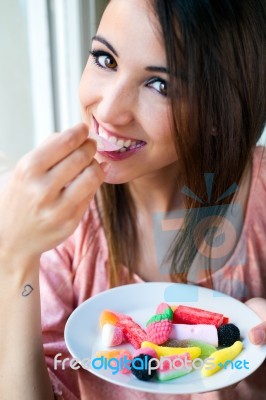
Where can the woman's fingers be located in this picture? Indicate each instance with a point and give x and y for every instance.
(48, 192)
(75, 198)
(85, 185)
(70, 168)
(54, 150)
(257, 335)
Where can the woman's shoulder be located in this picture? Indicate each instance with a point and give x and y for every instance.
(259, 160)
(256, 215)
(89, 235)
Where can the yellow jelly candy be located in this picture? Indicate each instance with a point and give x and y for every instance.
(108, 354)
(220, 357)
(108, 317)
(163, 351)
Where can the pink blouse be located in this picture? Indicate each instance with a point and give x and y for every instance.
(77, 270)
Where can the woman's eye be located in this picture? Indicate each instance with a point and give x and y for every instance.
(103, 60)
(159, 85)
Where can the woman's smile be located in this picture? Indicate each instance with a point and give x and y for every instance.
(128, 146)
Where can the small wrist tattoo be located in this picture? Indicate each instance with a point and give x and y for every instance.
(27, 290)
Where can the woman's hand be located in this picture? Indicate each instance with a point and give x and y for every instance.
(257, 335)
(47, 193)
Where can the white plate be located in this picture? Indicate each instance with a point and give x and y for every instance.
(83, 337)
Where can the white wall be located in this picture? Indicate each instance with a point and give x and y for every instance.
(28, 113)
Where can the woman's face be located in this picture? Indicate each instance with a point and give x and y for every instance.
(123, 91)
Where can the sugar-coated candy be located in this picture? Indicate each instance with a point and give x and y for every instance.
(192, 315)
(173, 367)
(165, 309)
(111, 317)
(112, 335)
(159, 326)
(228, 334)
(204, 332)
(108, 317)
(133, 333)
(161, 308)
(158, 332)
(163, 351)
(220, 357)
(140, 367)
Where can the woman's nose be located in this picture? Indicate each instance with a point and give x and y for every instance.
(116, 105)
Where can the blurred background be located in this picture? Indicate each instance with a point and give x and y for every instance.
(44, 47)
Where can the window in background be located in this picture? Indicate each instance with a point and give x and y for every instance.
(16, 119)
(44, 47)
(72, 23)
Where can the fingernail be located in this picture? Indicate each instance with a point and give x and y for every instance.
(105, 167)
(258, 336)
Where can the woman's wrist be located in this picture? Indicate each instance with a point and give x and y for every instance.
(18, 265)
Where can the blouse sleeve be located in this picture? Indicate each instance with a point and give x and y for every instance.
(57, 301)
(69, 274)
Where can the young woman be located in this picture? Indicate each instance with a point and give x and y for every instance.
(182, 83)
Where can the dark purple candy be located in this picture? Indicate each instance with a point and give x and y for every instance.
(228, 334)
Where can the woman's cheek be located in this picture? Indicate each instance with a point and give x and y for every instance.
(87, 87)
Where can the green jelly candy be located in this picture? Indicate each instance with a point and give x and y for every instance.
(206, 348)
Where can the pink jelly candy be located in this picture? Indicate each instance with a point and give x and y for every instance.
(112, 335)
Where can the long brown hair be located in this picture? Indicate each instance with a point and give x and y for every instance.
(216, 54)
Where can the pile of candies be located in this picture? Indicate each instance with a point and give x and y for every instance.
(178, 335)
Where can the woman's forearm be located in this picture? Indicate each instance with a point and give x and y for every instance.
(23, 372)
(41, 204)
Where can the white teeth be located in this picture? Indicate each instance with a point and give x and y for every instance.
(112, 139)
(127, 143)
(122, 150)
(120, 142)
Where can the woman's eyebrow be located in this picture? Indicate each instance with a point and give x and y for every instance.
(157, 69)
(100, 39)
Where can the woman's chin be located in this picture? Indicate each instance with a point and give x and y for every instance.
(112, 177)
